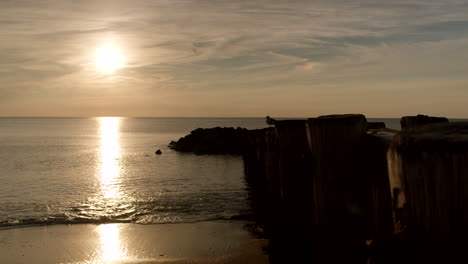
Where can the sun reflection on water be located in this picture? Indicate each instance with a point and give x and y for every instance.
(110, 155)
(110, 242)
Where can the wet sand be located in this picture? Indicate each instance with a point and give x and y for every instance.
(205, 242)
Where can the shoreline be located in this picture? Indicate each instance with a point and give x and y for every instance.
(202, 242)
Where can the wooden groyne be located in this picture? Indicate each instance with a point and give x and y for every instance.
(430, 173)
(360, 190)
(339, 189)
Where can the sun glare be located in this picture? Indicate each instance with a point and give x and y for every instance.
(110, 154)
(109, 58)
(111, 248)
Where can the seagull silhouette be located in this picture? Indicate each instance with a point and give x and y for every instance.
(270, 121)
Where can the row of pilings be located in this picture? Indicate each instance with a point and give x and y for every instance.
(329, 190)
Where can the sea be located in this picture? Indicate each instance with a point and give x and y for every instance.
(105, 170)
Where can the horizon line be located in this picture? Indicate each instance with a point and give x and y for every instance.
(228, 117)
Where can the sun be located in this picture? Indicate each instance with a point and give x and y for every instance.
(109, 58)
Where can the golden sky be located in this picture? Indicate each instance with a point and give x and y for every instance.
(233, 58)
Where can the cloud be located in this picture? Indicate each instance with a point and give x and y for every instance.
(177, 48)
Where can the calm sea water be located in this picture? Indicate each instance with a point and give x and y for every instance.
(100, 170)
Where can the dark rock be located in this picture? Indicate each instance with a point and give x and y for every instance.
(172, 144)
(226, 140)
(159, 152)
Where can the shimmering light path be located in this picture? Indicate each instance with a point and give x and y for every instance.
(104, 170)
(197, 243)
(111, 248)
(110, 168)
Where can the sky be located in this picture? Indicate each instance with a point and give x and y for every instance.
(233, 58)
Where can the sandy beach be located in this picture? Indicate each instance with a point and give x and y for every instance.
(204, 242)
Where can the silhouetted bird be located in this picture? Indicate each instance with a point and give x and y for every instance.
(270, 121)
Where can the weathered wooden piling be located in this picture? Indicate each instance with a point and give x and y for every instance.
(379, 219)
(295, 182)
(261, 171)
(293, 167)
(338, 181)
(326, 176)
(409, 122)
(335, 144)
(429, 167)
(341, 185)
(283, 178)
(375, 125)
(255, 159)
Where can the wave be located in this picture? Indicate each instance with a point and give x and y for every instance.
(67, 219)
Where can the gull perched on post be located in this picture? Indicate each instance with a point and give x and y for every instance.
(270, 121)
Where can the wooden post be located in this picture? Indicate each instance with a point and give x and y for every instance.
(380, 211)
(284, 184)
(261, 171)
(430, 168)
(258, 161)
(409, 122)
(293, 167)
(295, 185)
(339, 197)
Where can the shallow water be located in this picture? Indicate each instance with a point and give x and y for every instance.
(72, 170)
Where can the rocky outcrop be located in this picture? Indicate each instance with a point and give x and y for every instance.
(218, 140)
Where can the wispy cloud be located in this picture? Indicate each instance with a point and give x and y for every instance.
(301, 50)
